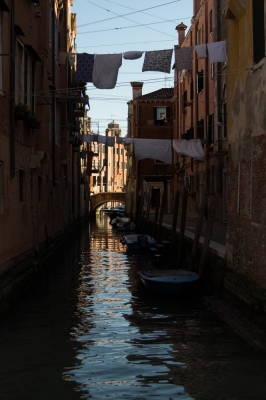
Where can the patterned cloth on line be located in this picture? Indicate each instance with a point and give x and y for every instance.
(85, 64)
(159, 60)
(183, 58)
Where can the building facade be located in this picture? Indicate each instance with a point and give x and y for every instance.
(43, 190)
(109, 162)
(150, 116)
(200, 110)
(246, 253)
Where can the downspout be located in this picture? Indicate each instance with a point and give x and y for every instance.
(53, 94)
(13, 88)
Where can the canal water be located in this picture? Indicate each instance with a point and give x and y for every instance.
(87, 329)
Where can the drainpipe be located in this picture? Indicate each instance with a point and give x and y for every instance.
(53, 94)
(12, 98)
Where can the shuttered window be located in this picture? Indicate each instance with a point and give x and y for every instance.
(200, 83)
(258, 30)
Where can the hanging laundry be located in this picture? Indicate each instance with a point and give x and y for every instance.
(110, 141)
(217, 51)
(132, 55)
(128, 141)
(102, 139)
(95, 138)
(71, 59)
(62, 57)
(119, 140)
(183, 58)
(156, 149)
(201, 50)
(159, 60)
(189, 148)
(84, 67)
(87, 138)
(105, 70)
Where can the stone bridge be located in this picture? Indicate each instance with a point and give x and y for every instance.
(98, 199)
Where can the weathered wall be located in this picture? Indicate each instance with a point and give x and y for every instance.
(246, 251)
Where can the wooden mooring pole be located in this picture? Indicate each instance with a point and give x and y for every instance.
(161, 217)
(175, 216)
(208, 235)
(182, 225)
(197, 233)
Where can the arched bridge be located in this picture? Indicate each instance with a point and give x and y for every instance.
(100, 198)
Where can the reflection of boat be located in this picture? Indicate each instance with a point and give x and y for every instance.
(126, 226)
(170, 281)
(138, 242)
(115, 211)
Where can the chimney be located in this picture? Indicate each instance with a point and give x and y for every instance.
(137, 89)
(181, 28)
(196, 7)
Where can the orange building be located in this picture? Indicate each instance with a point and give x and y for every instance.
(150, 116)
(200, 102)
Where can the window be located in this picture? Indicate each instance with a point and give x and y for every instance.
(184, 99)
(161, 115)
(258, 30)
(198, 36)
(19, 60)
(212, 70)
(21, 186)
(200, 81)
(210, 21)
(1, 187)
(200, 129)
(210, 128)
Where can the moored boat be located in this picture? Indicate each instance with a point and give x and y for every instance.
(170, 281)
(138, 242)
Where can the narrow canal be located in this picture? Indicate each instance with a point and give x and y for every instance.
(87, 329)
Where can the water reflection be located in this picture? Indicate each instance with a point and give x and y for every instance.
(88, 329)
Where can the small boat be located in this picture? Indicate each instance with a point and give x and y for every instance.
(119, 220)
(126, 226)
(138, 242)
(117, 211)
(170, 281)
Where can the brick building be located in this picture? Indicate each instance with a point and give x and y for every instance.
(42, 186)
(150, 116)
(200, 110)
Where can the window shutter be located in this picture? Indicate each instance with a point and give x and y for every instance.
(200, 82)
(258, 30)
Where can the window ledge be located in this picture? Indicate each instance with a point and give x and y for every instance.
(258, 65)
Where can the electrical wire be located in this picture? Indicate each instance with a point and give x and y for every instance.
(133, 26)
(131, 20)
(135, 12)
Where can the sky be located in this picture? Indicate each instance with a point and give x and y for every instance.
(111, 27)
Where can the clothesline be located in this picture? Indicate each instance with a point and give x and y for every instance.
(157, 149)
(102, 69)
